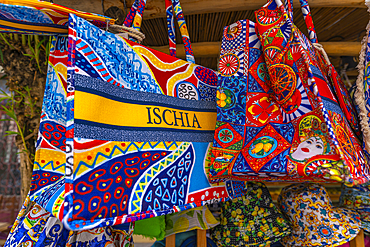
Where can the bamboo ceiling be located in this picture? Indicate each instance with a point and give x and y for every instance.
(332, 24)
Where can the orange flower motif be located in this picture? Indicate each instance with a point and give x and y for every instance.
(262, 109)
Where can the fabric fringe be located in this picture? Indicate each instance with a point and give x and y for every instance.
(359, 94)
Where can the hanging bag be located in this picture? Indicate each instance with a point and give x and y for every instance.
(127, 134)
(41, 17)
(295, 129)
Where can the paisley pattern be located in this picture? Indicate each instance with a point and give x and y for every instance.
(315, 221)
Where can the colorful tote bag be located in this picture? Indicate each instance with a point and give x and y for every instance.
(40, 17)
(89, 172)
(294, 127)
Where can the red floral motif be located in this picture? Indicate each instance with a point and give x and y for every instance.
(262, 108)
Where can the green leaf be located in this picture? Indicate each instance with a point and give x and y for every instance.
(5, 119)
(39, 44)
(5, 97)
(201, 222)
(8, 133)
(6, 41)
(1, 56)
(29, 44)
(29, 55)
(21, 93)
(9, 112)
(190, 213)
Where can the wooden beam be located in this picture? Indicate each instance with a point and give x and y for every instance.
(342, 48)
(156, 9)
(358, 241)
(201, 238)
(171, 240)
(212, 49)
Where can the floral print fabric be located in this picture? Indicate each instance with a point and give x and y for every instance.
(251, 220)
(315, 221)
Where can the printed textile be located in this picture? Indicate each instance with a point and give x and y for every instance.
(277, 117)
(36, 227)
(92, 167)
(252, 220)
(315, 221)
(41, 17)
(191, 219)
(357, 198)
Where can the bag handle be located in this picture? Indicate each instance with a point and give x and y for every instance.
(306, 15)
(134, 18)
(183, 30)
(130, 17)
(171, 27)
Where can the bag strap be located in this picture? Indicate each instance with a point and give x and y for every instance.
(289, 8)
(183, 30)
(173, 8)
(306, 15)
(139, 15)
(171, 27)
(135, 16)
(130, 17)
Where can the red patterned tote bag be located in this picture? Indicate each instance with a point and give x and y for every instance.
(301, 132)
(104, 173)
